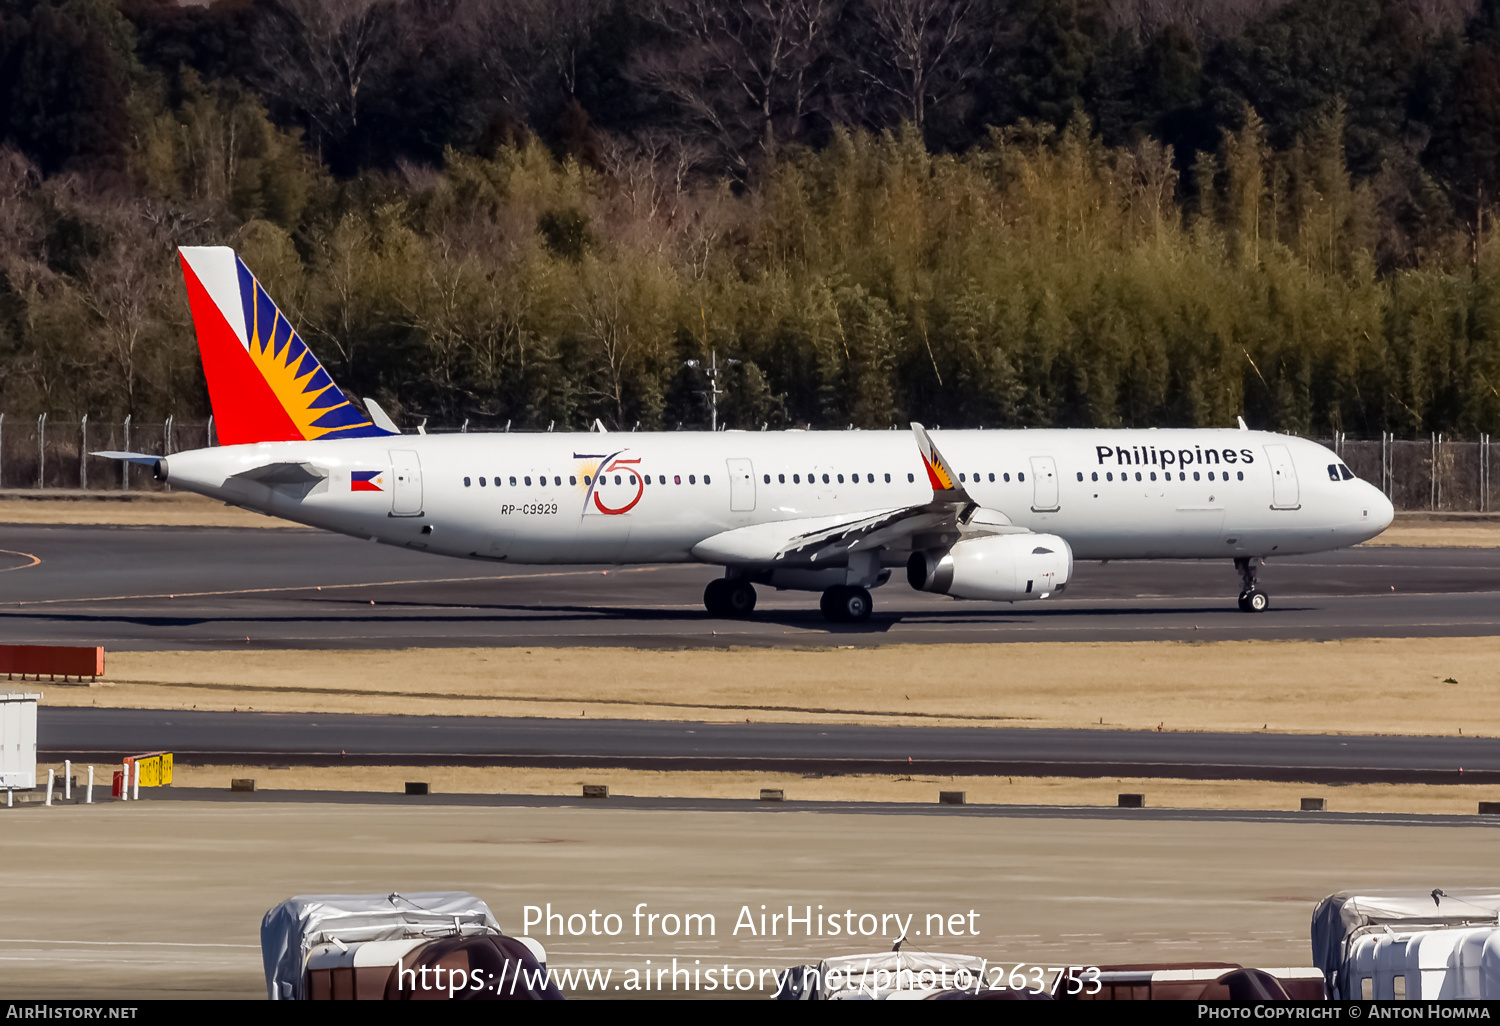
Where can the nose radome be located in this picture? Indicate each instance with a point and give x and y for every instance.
(1381, 510)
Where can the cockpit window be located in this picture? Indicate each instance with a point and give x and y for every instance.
(1333, 472)
(1348, 474)
(1041, 551)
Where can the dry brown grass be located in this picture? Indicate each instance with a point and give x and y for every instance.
(132, 509)
(1428, 534)
(1397, 686)
(1052, 791)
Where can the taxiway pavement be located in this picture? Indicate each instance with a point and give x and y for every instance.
(218, 738)
(210, 588)
(164, 898)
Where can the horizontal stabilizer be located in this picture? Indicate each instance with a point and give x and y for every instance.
(286, 473)
(145, 459)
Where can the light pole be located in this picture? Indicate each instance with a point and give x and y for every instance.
(712, 391)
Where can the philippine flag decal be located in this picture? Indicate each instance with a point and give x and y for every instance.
(366, 481)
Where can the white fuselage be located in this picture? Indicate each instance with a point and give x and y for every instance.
(1187, 494)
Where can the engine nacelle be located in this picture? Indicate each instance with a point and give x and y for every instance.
(997, 567)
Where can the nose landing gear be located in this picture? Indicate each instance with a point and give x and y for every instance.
(1252, 599)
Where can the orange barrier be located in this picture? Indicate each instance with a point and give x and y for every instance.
(54, 660)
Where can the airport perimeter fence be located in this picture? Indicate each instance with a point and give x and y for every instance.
(1437, 474)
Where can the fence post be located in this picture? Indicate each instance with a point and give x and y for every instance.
(208, 436)
(1432, 476)
(41, 452)
(83, 453)
(125, 464)
(2, 449)
(166, 437)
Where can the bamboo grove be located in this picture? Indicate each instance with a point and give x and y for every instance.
(1041, 275)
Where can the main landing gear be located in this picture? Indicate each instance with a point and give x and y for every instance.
(724, 597)
(1252, 599)
(845, 603)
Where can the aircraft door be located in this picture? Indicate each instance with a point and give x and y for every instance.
(741, 486)
(406, 491)
(1044, 476)
(1284, 491)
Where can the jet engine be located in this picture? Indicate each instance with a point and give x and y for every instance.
(997, 567)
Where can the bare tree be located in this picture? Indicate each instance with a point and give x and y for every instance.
(743, 71)
(124, 288)
(319, 54)
(926, 49)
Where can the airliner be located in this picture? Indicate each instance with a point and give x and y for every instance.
(993, 515)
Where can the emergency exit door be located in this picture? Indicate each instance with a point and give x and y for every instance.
(1044, 488)
(406, 485)
(741, 486)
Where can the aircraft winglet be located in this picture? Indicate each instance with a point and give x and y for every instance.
(945, 486)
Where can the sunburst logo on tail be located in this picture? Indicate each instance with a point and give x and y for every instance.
(265, 384)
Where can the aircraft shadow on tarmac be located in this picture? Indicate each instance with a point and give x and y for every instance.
(498, 614)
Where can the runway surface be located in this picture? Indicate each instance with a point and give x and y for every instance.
(175, 588)
(329, 739)
(164, 898)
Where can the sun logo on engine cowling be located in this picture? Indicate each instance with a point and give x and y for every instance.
(594, 476)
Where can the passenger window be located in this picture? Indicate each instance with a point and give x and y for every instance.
(781, 479)
(661, 478)
(1333, 471)
(617, 479)
(1137, 475)
(677, 478)
(1020, 477)
(1239, 474)
(481, 482)
(528, 482)
(1080, 475)
(1109, 475)
(887, 479)
(1094, 476)
(572, 479)
(767, 478)
(962, 478)
(513, 482)
(557, 481)
(1195, 475)
(869, 479)
(911, 478)
(796, 479)
(1153, 475)
(706, 479)
(1367, 988)
(692, 479)
(1210, 475)
(1181, 476)
(992, 478)
(825, 479)
(841, 479)
(1399, 983)
(466, 482)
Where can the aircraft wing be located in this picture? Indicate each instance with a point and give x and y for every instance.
(829, 540)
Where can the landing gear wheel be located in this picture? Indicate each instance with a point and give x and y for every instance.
(739, 598)
(716, 598)
(845, 604)
(1252, 599)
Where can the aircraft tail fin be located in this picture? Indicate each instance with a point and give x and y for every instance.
(264, 383)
